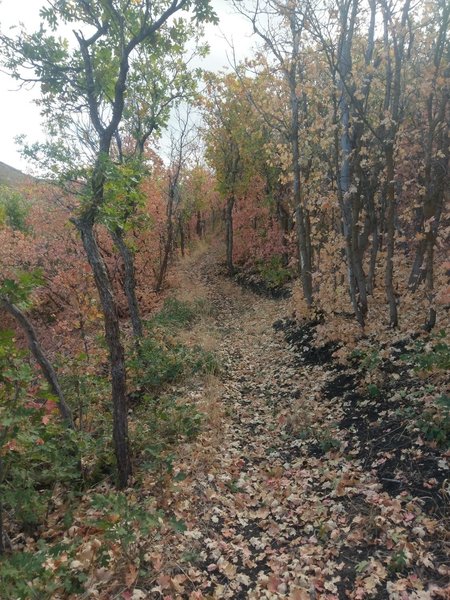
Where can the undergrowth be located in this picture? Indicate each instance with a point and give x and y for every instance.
(46, 469)
(273, 272)
(161, 359)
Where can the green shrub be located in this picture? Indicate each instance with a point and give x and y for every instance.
(273, 272)
(434, 423)
(398, 562)
(48, 573)
(37, 452)
(160, 362)
(367, 360)
(373, 390)
(122, 519)
(14, 209)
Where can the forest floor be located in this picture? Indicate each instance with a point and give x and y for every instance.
(302, 484)
(292, 467)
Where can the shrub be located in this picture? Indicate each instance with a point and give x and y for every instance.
(160, 362)
(273, 272)
(37, 451)
(13, 209)
(434, 423)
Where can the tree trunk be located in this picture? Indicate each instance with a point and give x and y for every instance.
(347, 201)
(283, 219)
(302, 237)
(36, 349)
(229, 234)
(417, 274)
(129, 282)
(117, 360)
(182, 236)
(168, 243)
(429, 284)
(390, 236)
(2, 535)
(199, 225)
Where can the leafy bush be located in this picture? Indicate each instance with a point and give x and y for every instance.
(161, 359)
(37, 451)
(434, 423)
(160, 362)
(13, 209)
(57, 570)
(165, 421)
(367, 360)
(373, 390)
(273, 272)
(122, 519)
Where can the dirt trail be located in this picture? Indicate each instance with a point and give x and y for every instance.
(281, 509)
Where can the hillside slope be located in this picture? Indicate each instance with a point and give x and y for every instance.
(12, 177)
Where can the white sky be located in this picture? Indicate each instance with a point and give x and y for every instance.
(18, 114)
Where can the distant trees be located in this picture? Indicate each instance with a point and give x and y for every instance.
(281, 27)
(353, 99)
(235, 139)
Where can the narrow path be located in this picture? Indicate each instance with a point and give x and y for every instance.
(257, 498)
(279, 508)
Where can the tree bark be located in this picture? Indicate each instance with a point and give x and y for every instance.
(429, 284)
(182, 236)
(347, 200)
(168, 245)
(129, 281)
(116, 352)
(390, 236)
(392, 104)
(303, 240)
(229, 234)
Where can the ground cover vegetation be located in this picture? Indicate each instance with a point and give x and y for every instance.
(224, 366)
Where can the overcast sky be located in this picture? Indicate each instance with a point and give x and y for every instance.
(18, 114)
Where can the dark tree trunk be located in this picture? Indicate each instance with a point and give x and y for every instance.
(36, 349)
(429, 284)
(2, 535)
(165, 258)
(168, 245)
(117, 360)
(182, 236)
(390, 236)
(229, 234)
(300, 218)
(199, 225)
(373, 260)
(129, 282)
(347, 200)
(392, 104)
(283, 219)
(417, 274)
